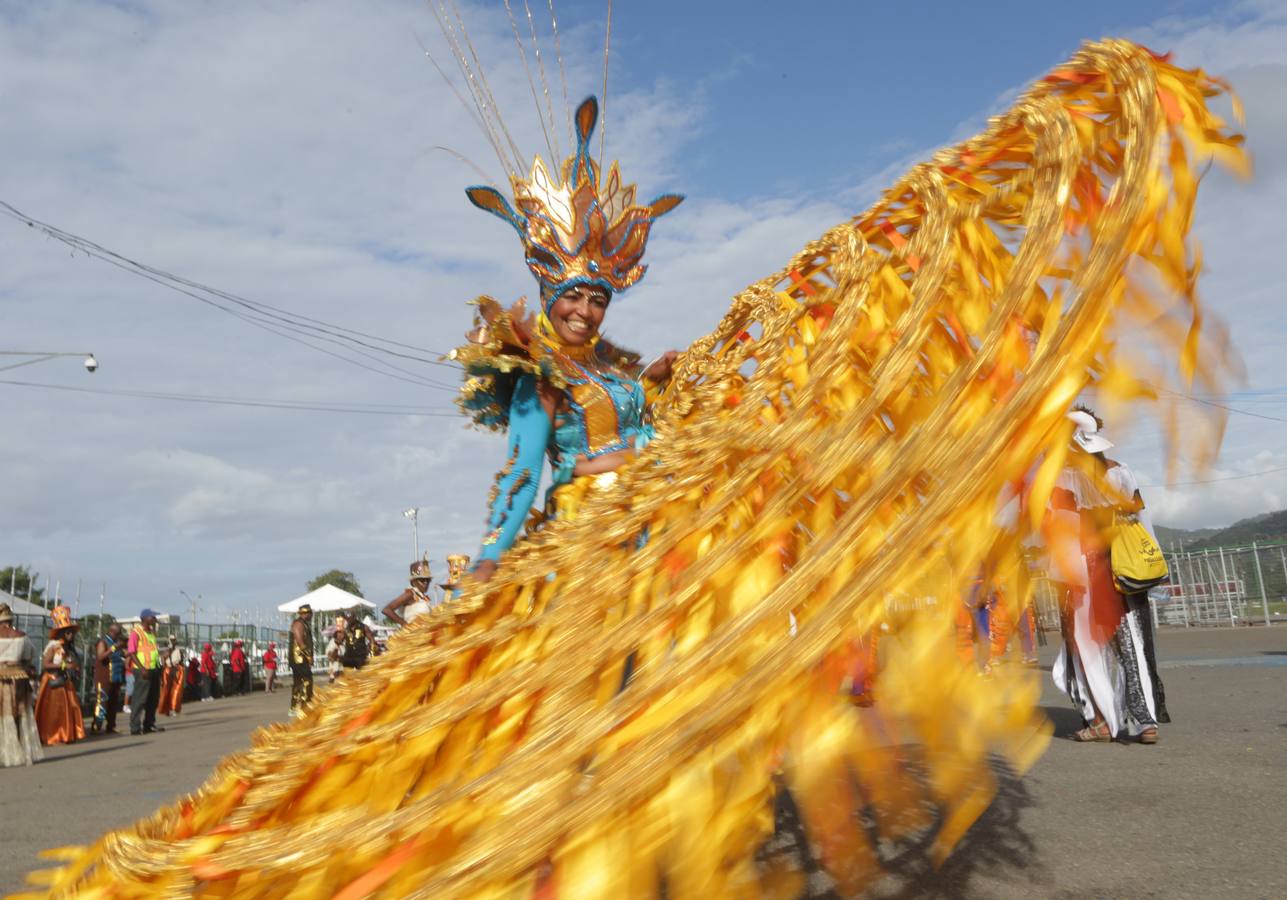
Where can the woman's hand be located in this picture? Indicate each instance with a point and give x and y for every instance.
(660, 368)
(484, 570)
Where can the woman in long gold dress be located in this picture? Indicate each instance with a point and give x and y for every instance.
(58, 714)
(837, 443)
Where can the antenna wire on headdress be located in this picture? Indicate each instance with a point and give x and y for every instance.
(487, 88)
(484, 119)
(563, 72)
(473, 114)
(476, 78)
(545, 85)
(522, 52)
(603, 104)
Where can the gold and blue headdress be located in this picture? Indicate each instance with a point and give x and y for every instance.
(578, 229)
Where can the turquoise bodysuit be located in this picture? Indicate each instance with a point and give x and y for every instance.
(604, 414)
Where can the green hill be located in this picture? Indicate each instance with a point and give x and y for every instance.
(1266, 527)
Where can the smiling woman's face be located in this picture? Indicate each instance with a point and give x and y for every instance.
(578, 313)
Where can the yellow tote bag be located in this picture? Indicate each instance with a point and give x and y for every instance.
(1137, 560)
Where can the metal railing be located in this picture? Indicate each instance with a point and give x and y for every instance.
(1225, 586)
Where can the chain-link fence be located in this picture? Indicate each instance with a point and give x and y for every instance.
(191, 638)
(1217, 586)
(1225, 586)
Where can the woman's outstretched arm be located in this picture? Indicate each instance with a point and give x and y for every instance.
(517, 483)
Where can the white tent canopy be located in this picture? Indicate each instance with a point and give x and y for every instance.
(21, 607)
(327, 598)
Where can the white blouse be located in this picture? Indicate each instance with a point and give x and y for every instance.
(15, 651)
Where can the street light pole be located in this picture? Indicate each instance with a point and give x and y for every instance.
(414, 515)
(195, 630)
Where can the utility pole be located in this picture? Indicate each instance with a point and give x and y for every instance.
(1264, 599)
(77, 598)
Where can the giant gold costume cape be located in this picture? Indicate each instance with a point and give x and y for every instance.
(832, 452)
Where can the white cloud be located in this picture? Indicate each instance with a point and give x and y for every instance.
(1240, 227)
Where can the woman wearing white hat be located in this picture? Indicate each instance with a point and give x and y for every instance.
(1102, 664)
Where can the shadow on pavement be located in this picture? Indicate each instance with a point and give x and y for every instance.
(996, 846)
(1066, 720)
(91, 751)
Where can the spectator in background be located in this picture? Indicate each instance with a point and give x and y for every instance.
(109, 679)
(208, 672)
(270, 667)
(58, 716)
(357, 643)
(19, 739)
(129, 682)
(147, 675)
(301, 661)
(193, 677)
(334, 648)
(240, 670)
(172, 684)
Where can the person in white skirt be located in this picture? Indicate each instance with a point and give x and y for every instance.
(19, 742)
(1102, 665)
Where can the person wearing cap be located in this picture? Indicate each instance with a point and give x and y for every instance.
(109, 678)
(58, 716)
(300, 653)
(19, 737)
(416, 600)
(1102, 665)
(270, 667)
(209, 671)
(147, 675)
(240, 670)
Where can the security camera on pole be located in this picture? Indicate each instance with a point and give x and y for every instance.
(90, 363)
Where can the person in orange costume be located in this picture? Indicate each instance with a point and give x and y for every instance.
(58, 716)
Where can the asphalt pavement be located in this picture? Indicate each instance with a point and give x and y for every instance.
(1201, 814)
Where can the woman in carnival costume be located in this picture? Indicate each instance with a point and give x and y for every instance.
(1103, 664)
(549, 377)
(416, 600)
(58, 715)
(843, 432)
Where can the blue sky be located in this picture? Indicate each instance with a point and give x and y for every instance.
(284, 151)
(905, 75)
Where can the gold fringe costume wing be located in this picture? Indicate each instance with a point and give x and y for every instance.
(833, 451)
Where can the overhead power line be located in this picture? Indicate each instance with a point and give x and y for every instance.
(1233, 409)
(274, 319)
(1214, 480)
(367, 409)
